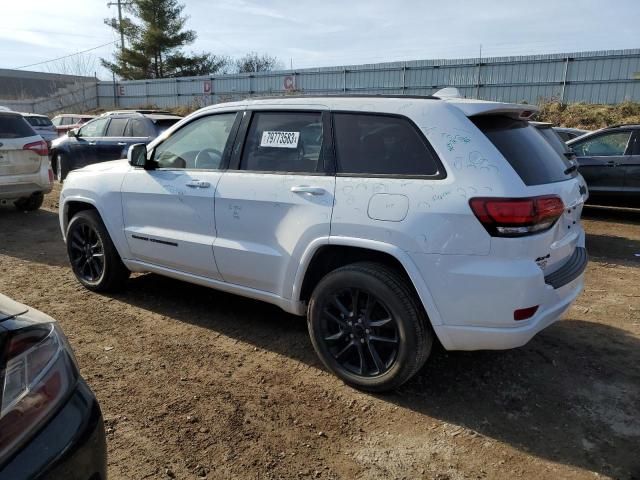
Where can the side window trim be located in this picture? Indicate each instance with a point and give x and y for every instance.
(439, 175)
(326, 154)
(226, 154)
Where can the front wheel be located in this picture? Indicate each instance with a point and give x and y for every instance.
(93, 257)
(368, 327)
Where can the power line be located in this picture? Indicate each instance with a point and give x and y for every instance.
(66, 56)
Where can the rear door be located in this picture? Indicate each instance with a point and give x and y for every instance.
(276, 198)
(632, 167)
(602, 158)
(15, 133)
(115, 143)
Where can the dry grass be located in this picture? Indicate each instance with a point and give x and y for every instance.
(589, 116)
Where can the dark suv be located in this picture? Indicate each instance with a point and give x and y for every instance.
(106, 138)
(609, 161)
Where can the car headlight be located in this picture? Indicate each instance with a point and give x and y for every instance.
(37, 372)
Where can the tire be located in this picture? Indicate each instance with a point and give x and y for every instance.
(62, 167)
(29, 204)
(342, 345)
(93, 257)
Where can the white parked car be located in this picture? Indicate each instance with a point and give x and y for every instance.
(389, 222)
(25, 169)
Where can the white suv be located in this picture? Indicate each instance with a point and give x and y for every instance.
(25, 169)
(388, 221)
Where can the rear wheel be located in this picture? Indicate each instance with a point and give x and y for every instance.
(368, 328)
(62, 167)
(93, 257)
(29, 204)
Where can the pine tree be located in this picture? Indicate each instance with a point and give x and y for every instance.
(155, 40)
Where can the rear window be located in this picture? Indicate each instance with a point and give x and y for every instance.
(39, 121)
(381, 145)
(14, 126)
(526, 149)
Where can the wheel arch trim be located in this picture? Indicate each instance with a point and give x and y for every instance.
(400, 255)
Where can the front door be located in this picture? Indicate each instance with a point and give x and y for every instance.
(601, 159)
(275, 199)
(85, 148)
(169, 212)
(632, 169)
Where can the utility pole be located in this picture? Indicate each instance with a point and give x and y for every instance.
(120, 3)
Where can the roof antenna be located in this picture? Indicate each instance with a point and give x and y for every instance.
(448, 92)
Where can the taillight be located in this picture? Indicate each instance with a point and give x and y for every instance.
(37, 372)
(40, 147)
(516, 217)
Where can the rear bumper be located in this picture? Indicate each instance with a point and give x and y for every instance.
(71, 446)
(495, 338)
(18, 186)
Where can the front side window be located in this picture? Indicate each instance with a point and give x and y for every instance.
(116, 127)
(607, 145)
(283, 142)
(381, 145)
(198, 145)
(94, 129)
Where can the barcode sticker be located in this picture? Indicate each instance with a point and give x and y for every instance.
(280, 139)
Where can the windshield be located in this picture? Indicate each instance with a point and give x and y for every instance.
(535, 158)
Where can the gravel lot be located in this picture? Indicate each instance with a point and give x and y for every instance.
(196, 383)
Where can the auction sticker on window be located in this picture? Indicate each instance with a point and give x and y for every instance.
(280, 139)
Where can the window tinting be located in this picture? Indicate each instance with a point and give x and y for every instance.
(39, 121)
(199, 144)
(14, 126)
(606, 145)
(116, 127)
(162, 125)
(378, 144)
(137, 127)
(533, 158)
(94, 128)
(283, 142)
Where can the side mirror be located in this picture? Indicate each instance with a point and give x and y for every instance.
(73, 133)
(137, 155)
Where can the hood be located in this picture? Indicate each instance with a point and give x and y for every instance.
(10, 308)
(106, 166)
(14, 315)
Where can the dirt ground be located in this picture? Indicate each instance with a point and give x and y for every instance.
(196, 383)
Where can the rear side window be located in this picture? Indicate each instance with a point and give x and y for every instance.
(533, 158)
(68, 121)
(382, 145)
(606, 145)
(162, 125)
(14, 126)
(116, 127)
(283, 142)
(136, 128)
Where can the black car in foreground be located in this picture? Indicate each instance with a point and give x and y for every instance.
(50, 422)
(107, 137)
(609, 161)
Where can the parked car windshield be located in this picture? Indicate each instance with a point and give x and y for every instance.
(533, 158)
(39, 121)
(14, 126)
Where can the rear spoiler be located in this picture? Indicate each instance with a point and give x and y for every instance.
(472, 108)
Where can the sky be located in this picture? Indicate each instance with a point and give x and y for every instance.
(306, 33)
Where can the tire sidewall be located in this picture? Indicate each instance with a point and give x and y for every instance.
(341, 280)
(86, 218)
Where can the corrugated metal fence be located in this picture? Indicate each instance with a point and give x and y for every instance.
(592, 77)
